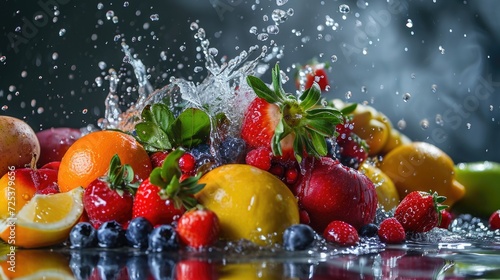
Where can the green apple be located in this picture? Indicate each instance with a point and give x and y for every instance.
(18, 144)
(482, 188)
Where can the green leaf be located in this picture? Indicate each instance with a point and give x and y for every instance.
(310, 97)
(278, 86)
(323, 127)
(162, 115)
(147, 115)
(170, 167)
(319, 143)
(349, 109)
(262, 90)
(156, 179)
(191, 128)
(150, 134)
(298, 147)
(173, 186)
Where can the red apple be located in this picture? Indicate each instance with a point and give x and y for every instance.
(54, 142)
(329, 191)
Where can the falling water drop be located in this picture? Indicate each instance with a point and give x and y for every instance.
(3, 58)
(281, 2)
(469, 125)
(5, 107)
(424, 124)
(364, 89)
(126, 4)
(434, 88)
(439, 120)
(100, 6)
(263, 37)
(333, 58)
(279, 16)
(401, 124)
(348, 94)
(110, 14)
(344, 8)
(62, 31)
(102, 65)
(406, 97)
(273, 29)
(154, 17)
(194, 26)
(409, 23)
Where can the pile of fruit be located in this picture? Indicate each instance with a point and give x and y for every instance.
(298, 168)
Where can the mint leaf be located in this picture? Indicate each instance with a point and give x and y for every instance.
(152, 136)
(191, 128)
(162, 115)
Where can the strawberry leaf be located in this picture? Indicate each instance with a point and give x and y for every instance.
(120, 177)
(278, 87)
(310, 97)
(349, 109)
(261, 89)
(152, 137)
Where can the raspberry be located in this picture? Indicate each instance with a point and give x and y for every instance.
(391, 231)
(260, 158)
(291, 175)
(495, 220)
(341, 233)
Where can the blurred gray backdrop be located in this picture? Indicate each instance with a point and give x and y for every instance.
(431, 66)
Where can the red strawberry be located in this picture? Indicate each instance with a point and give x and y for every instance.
(167, 193)
(446, 219)
(195, 269)
(420, 211)
(198, 228)
(260, 158)
(341, 233)
(149, 204)
(110, 197)
(291, 125)
(259, 124)
(311, 73)
(494, 220)
(391, 231)
(330, 191)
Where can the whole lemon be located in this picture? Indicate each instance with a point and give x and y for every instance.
(251, 203)
(420, 166)
(387, 194)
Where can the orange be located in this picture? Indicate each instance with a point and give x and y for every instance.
(36, 264)
(420, 166)
(45, 220)
(250, 203)
(89, 157)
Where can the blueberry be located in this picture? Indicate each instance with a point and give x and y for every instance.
(137, 232)
(368, 230)
(82, 235)
(111, 235)
(298, 237)
(163, 238)
(202, 155)
(232, 150)
(352, 162)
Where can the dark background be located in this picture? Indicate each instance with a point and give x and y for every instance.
(431, 67)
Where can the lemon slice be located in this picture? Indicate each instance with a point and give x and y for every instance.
(45, 220)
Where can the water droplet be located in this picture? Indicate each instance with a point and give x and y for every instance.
(115, 19)
(55, 56)
(290, 12)
(117, 37)
(24, 74)
(102, 65)
(281, 2)
(100, 6)
(406, 97)
(154, 17)
(5, 107)
(401, 124)
(263, 37)
(110, 14)
(273, 29)
(439, 120)
(213, 51)
(194, 26)
(469, 125)
(333, 58)
(84, 111)
(253, 30)
(424, 124)
(491, 107)
(441, 49)
(126, 4)
(413, 75)
(279, 16)
(364, 89)
(98, 81)
(409, 23)
(62, 31)
(434, 88)
(344, 8)
(198, 69)
(348, 94)
(182, 48)
(3, 58)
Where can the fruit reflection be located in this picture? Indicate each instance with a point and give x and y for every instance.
(36, 264)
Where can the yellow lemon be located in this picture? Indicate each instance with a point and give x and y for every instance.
(387, 193)
(420, 166)
(250, 271)
(35, 264)
(45, 220)
(251, 203)
(396, 138)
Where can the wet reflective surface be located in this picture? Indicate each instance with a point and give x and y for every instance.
(407, 261)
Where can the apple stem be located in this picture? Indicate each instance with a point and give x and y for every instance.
(33, 161)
